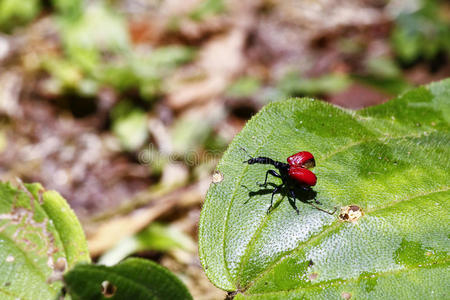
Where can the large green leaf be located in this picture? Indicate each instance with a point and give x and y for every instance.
(391, 160)
(134, 278)
(40, 239)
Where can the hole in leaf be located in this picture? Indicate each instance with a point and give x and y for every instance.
(350, 213)
(217, 177)
(108, 289)
(60, 265)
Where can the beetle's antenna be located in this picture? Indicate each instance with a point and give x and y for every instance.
(325, 211)
(246, 152)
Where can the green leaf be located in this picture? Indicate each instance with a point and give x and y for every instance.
(244, 87)
(422, 33)
(98, 29)
(69, 8)
(134, 278)
(189, 133)
(129, 124)
(390, 160)
(160, 61)
(40, 238)
(14, 13)
(157, 236)
(294, 85)
(207, 8)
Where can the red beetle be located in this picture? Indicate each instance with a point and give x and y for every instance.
(293, 174)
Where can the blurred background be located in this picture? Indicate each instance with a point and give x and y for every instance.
(126, 106)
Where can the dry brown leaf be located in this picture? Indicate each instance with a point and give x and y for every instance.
(219, 61)
(109, 233)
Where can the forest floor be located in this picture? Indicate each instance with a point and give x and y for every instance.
(125, 107)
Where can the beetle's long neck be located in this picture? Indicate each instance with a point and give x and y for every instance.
(267, 161)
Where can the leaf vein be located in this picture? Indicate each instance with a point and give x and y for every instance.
(354, 279)
(233, 196)
(328, 230)
(356, 143)
(393, 203)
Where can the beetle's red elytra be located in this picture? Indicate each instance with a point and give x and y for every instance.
(302, 159)
(303, 176)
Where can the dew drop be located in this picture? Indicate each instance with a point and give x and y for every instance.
(108, 289)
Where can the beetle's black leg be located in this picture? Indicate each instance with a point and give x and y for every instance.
(308, 189)
(330, 213)
(313, 205)
(271, 172)
(292, 201)
(275, 190)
